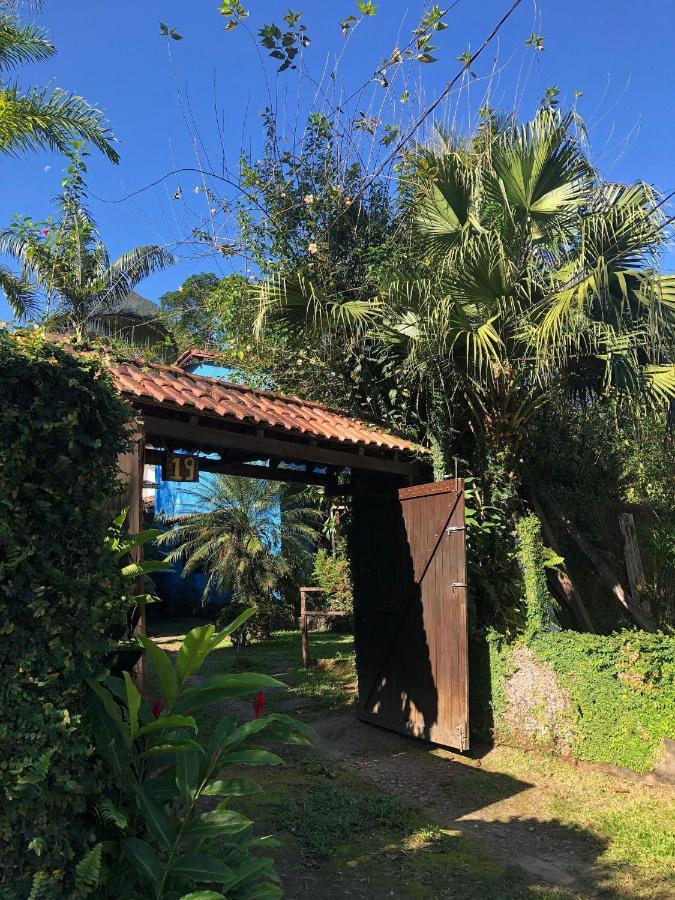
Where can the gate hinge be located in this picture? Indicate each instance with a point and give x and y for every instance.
(458, 584)
(451, 528)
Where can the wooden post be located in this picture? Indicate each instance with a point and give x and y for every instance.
(634, 567)
(135, 521)
(304, 630)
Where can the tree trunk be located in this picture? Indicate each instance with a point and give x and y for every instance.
(604, 573)
(565, 586)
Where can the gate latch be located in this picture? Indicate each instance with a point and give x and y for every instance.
(452, 528)
(461, 731)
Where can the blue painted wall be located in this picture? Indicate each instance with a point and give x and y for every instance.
(172, 499)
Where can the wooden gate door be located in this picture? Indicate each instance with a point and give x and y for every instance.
(409, 569)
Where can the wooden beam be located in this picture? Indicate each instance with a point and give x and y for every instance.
(271, 473)
(220, 438)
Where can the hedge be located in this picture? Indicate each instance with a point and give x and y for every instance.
(620, 687)
(61, 430)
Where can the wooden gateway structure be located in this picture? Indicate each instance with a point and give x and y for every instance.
(407, 537)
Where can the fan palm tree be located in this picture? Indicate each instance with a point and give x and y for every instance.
(41, 118)
(74, 282)
(525, 271)
(250, 536)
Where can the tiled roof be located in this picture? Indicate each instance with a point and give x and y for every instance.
(170, 386)
(194, 354)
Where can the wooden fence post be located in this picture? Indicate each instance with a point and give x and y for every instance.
(304, 630)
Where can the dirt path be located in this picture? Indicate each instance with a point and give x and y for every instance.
(522, 810)
(498, 810)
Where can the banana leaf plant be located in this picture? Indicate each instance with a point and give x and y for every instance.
(169, 831)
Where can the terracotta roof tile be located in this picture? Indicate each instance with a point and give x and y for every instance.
(170, 385)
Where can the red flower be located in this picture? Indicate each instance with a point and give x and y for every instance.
(45, 231)
(259, 704)
(156, 708)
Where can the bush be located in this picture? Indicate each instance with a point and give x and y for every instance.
(332, 575)
(61, 430)
(159, 838)
(622, 690)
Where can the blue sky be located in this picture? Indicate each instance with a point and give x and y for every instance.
(617, 52)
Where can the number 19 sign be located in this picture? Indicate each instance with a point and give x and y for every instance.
(178, 467)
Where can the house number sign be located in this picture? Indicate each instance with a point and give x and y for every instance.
(178, 467)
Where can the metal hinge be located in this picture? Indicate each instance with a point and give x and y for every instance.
(452, 528)
(458, 584)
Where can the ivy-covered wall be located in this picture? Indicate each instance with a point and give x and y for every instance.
(606, 699)
(61, 429)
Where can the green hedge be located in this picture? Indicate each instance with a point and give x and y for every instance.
(61, 429)
(621, 687)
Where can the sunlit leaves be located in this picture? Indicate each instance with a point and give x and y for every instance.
(235, 12)
(367, 8)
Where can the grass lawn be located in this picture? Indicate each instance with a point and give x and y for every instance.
(367, 813)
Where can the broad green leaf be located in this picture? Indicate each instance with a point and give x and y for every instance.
(249, 680)
(264, 891)
(187, 775)
(231, 787)
(250, 869)
(252, 757)
(215, 822)
(195, 648)
(109, 709)
(179, 746)
(144, 859)
(220, 733)
(220, 636)
(133, 702)
(203, 895)
(163, 667)
(167, 722)
(201, 867)
(158, 822)
(146, 567)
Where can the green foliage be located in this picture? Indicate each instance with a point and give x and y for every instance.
(533, 561)
(622, 689)
(332, 575)
(189, 313)
(61, 430)
(163, 838)
(40, 118)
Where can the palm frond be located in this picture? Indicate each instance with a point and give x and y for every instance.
(20, 293)
(128, 270)
(443, 212)
(20, 44)
(41, 119)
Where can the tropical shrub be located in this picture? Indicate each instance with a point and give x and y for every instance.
(163, 837)
(61, 430)
(333, 576)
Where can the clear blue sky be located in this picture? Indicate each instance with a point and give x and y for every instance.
(618, 52)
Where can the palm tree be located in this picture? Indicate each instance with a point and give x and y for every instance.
(251, 535)
(75, 284)
(40, 118)
(525, 271)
